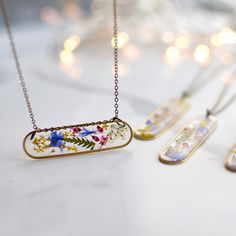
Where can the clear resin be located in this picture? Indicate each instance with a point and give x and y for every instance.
(188, 140)
(161, 119)
(77, 140)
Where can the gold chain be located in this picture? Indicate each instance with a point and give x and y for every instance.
(22, 79)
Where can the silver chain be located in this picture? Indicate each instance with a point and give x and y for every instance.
(20, 73)
(218, 107)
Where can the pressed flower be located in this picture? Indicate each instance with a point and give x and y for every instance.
(103, 140)
(95, 138)
(86, 132)
(99, 129)
(56, 139)
(76, 129)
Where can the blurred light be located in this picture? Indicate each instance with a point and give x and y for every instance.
(182, 42)
(71, 9)
(49, 15)
(201, 54)
(131, 51)
(227, 36)
(123, 38)
(216, 40)
(172, 55)
(71, 43)
(66, 57)
(168, 37)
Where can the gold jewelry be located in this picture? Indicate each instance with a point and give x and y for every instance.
(73, 139)
(230, 161)
(192, 135)
(167, 114)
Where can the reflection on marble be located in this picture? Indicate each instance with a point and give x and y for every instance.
(230, 161)
(188, 140)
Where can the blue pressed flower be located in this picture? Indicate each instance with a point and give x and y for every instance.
(56, 139)
(149, 122)
(86, 132)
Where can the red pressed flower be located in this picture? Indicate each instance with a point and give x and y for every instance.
(76, 130)
(100, 129)
(95, 138)
(103, 140)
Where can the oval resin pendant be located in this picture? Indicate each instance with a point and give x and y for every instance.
(77, 140)
(230, 161)
(188, 140)
(161, 119)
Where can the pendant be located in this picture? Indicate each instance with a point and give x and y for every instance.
(188, 140)
(79, 139)
(161, 119)
(230, 161)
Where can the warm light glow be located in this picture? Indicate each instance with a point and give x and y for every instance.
(66, 57)
(172, 55)
(182, 42)
(123, 38)
(131, 51)
(168, 37)
(216, 40)
(49, 15)
(201, 54)
(227, 36)
(71, 43)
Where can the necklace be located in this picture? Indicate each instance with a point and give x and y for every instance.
(73, 139)
(192, 135)
(230, 161)
(167, 114)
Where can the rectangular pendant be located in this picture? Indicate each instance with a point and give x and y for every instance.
(188, 140)
(230, 161)
(161, 119)
(80, 139)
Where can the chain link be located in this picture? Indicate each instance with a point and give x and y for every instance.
(16, 58)
(218, 107)
(21, 77)
(116, 65)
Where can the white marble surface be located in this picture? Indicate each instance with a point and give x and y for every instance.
(122, 193)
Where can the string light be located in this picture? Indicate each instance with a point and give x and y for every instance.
(72, 43)
(123, 39)
(172, 55)
(182, 41)
(168, 37)
(66, 57)
(201, 54)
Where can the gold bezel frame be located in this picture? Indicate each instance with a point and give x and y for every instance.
(78, 153)
(164, 161)
(172, 123)
(228, 167)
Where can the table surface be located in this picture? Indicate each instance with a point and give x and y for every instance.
(126, 192)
